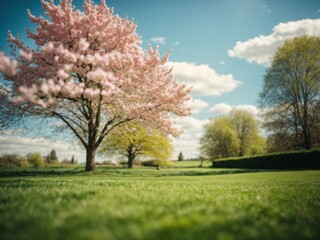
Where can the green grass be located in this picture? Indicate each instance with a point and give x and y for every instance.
(145, 203)
(190, 163)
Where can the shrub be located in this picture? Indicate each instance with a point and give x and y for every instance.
(35, 159)
(288, 160)
(11, 160)
(106, 162)
(156, 163)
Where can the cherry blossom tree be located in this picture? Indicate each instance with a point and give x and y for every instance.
(89, 71)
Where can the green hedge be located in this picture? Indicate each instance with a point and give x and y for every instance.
(289, 160)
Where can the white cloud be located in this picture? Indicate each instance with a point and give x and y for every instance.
(23, 145)
(223, 109)
(158, 40)
(260, 49)
(250, 108)
(176, 43)
(222, 62)
(197, 105)
(266, 9)
(188, 142)
(204, 80)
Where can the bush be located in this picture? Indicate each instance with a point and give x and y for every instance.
(10, 160)
(156, 163)
(35, 159)
(289, 160)
(106, 162)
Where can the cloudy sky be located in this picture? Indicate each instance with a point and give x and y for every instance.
(220, 47)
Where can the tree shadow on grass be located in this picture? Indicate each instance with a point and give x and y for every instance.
(216, 172)
(38, 172)
(122, 172)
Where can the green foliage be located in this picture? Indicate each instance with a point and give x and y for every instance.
(35, 159)
(134, 140)
(147, 204)
(180, 157)
(53, 156)
(291, 94)
(288, 160)
(157, 163)
(234, 135)
(191, 163)
(246, 127)
(220, 139)
(12, 160)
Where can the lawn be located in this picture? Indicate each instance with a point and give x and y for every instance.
(145, 203)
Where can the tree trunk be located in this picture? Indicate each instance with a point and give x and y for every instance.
(90, 159)
(307, 139)
(130, 162)
(131, 156)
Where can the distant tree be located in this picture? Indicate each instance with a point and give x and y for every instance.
(202, 159)
(220, 139)
(291, 95)
(48, 159)
(134, 140)
(180, 157)
(72, 160)
(53, 156)
(66, 161)
(247, 129)
(35, 159)
(234, 135)
(11, 160)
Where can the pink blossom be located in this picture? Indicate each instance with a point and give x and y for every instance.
(89, 69)
(7, 65)
(62, 74)
(26, 55)
(83, 44)
(100, 75)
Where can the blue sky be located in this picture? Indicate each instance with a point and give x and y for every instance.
(221, 47)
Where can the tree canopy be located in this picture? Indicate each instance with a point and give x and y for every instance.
(236, 134)
(88, 71)
(291, 95)
(134, 140)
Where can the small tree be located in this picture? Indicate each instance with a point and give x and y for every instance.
(220, 139)
(72, 160)
(48, 159)
(234, 135)
(247, 129)
(35, 159)
(134, 140)
(53, 155)
(180, 157)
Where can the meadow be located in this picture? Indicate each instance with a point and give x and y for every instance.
(183, 202)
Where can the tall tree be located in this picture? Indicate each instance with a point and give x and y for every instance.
(134, 140)
(291, 94)
(236, 134)
(88, 71)
(247, 130)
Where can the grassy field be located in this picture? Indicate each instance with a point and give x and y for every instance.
(145, 203)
